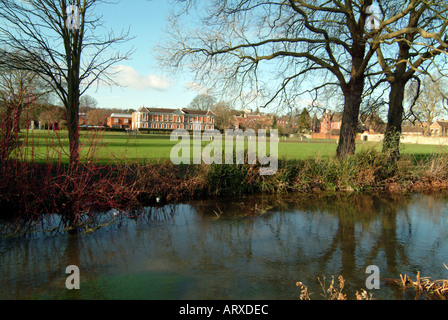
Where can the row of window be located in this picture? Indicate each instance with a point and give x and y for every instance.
(117, 120)
(176, 126)
(171, 118)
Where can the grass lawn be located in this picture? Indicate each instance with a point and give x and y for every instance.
(118, 146)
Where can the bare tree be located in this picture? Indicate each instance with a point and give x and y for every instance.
(61, 41)
(202, 102)
(223, 115)
(87, 103)
(50, 116)
(283, 49)
(18, 91)
(97, 117)
(411, 47)
(430, 102)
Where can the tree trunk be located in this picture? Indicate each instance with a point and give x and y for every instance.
(73, 132)
(352, 102)
(391, 142)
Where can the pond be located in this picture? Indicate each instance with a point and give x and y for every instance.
(245, 248)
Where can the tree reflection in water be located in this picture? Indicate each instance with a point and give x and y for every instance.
(245, 248)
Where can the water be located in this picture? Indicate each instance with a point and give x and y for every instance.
(247, 248)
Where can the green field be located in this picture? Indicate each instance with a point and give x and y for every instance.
(120, 146)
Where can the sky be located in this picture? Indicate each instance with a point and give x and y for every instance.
(144, 83)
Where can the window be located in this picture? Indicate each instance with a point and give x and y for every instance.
(115, 120)
(126, 120)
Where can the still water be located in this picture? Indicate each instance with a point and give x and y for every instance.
(245, 248)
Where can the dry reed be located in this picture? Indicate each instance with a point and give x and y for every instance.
(424, 287)
(332, 291)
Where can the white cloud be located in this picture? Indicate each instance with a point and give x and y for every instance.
(129, 77)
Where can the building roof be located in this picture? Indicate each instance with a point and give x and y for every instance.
(161, 110)
(332, 116)
(411, 129)
(121, 115)
(196, 111)
(169, 110)
(441, 123)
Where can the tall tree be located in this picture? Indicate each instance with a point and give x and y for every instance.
(410, 48)
(281, 49)
(60, 40)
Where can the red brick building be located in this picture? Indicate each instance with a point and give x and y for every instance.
(253, 121)
(331, 122)
(172, 119)
(120, 121)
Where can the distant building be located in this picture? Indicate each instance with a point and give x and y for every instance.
(172, 119)
(412, 130)
(82, 120)
(330, 123)
(439, 128)
(120, 121)
(286, 121)
(253, 121)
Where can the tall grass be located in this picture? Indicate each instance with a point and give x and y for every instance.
(36, 183)
(368, 170)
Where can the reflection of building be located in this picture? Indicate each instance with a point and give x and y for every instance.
(331, 122)
(120, 120)
(439, 128)
(171, 119)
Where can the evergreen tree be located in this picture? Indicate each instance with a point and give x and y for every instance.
(304, 122)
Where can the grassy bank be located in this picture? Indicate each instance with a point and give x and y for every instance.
(33, 188)
(112, 147)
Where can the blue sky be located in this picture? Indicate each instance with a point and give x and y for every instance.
(146, 85)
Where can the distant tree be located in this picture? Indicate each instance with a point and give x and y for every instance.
(19, 90)
(223, 115)
(51, 115)
(87, 103)
(97, 117)
(202, 102)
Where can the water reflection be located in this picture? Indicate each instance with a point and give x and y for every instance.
(248, 248)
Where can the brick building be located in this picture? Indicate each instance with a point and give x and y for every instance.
(331, 122)
(253, 121)
(120, 121)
